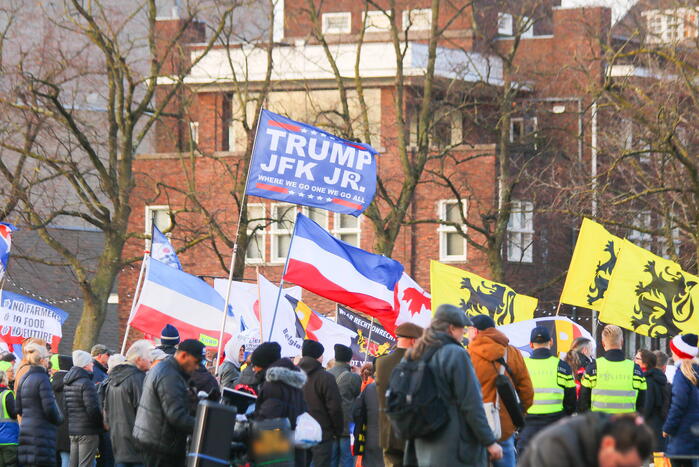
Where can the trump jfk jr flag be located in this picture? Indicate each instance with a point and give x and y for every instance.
(591, 266)
(302, 164)
(651, 295)
(478, 296)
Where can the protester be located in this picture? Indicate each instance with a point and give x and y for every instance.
(169, 338)
(122, 395)
(612, 384)
(229, 370)
(163, 419)
(281, 394)
(487, 346)
(366, 409)
(203, 381)
(100, 356)
(24, 365)
(262, 358)
(114, 361)
(467, 439)
(350, 385)
(593, 439)
(323, 399)
(655, 409)
(406, 336)
(684, 408)
(36, 404)
(8, 366)
(9, 429)
(366, 372)
(82, 411)
(578, 358)
(157, 356)
(554, 387)
(63, 364)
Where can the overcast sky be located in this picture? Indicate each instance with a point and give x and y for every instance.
(619, 7)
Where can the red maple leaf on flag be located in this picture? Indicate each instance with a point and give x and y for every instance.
(415, 300)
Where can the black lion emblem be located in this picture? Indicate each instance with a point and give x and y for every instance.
(602, 275)
(494, 300)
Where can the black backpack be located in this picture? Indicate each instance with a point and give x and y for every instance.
(413, 404)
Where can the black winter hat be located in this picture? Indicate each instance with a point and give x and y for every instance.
(312, 349)
(65, 362)
(342, 353)
(192, 347)
(265, 354)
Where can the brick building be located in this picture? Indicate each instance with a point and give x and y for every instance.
(200, 145)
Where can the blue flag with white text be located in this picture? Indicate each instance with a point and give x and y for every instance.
(162, 250)
(301, 164)
(6, 230)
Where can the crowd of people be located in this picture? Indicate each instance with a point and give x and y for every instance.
(504, 408)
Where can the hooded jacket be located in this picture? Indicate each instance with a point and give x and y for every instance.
(488, 346)
(350, 386)
(323, 398)
(82, 404)
(655, 402)
(281, 395)
(58, 386)
(121, 398)
(229, 370)
(683, 414)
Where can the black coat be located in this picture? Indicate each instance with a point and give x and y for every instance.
(167, 348)
(58, 386)
(281, 395)
(656, 403)
(40, 416)
(202, 380)
(322, 398)
(83, 409)
(122, 393)
(163, 419)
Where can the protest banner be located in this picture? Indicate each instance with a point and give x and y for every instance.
(381, 341)
(22, 317)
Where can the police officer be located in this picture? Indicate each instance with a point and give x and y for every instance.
(9, 429)
(612, 384)
(554, 387)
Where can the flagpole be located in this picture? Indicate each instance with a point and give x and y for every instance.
(368, 341)
(235, 251)
(281, 283)
(136, 293)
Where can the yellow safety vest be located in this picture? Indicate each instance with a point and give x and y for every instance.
(614, 390)
(548, 394)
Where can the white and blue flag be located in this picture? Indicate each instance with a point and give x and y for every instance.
(6, 230)
(161, 249)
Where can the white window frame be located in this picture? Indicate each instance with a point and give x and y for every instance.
(506, 24)
(684, 22)
(524, 253)
(346, 15)
(676, 243)
(275, 232)
(260, 235)
(194, 132)
(529, 32)
(444, 230)
(306, 211)
(417, 26)
(149, 217)
(644, 220)
(521, 139)
(337, 230)
(369, 16)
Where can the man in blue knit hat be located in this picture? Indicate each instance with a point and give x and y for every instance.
(169, 338)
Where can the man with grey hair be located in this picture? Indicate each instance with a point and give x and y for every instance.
(122, 393)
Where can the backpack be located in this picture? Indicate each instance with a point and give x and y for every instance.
(413, 403)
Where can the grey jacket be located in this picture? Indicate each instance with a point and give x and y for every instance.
(229, 373)
(350, 386)
(463, 441)
(122, 394)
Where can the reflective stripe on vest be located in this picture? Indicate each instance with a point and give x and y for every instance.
(548, 395)
(613, 391)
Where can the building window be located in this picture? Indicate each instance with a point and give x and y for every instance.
(162, 216)
(317, 215)
(520, 232)
(664, 26)
(418, 19)
(194, 133)
(255, 252)
(505, 24)
(337, 23)
(633, 142)
(523, 130)
(447, 128)
(283, 218)
(452, 244)
(376, 21)
(674, 242)
(642, 238)
(347, 228)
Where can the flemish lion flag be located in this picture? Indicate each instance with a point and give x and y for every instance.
(478, 296)
(651, 295)
(591, 266)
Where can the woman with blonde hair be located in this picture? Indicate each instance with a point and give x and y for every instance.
(36, 404)
(684, 408)
(23, 365)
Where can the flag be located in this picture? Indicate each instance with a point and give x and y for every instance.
(412, 303)
(22, 317)
(477, 296)
(563, 332)
(161, 249)
(319, 328)
(651, 295)
(6, 230)
(284, 329)
(591, 266)
(343, 273)
(171, 296)
(301, 164)
(381, 340)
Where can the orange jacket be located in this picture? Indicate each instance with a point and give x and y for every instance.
(488, 346)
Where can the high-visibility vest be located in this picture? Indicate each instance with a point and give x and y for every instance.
(614, 390)
(548, 394)
(9, 428)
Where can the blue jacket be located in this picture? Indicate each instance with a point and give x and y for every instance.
(9, 428)
(684, 412)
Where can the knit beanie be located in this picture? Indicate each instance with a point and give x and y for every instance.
(342, 353)
(312, 349)
(81, 358)
(685, 346)
(482, 322)
(169, 335)
(265, 354)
